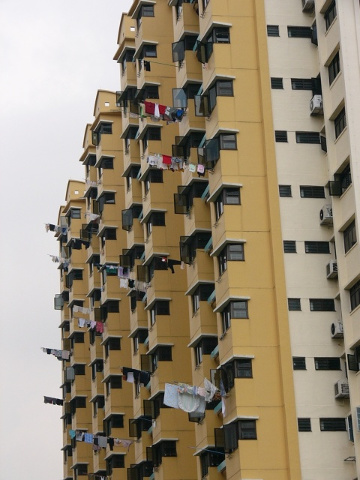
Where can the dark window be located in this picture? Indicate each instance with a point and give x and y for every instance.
(156, 219)
(294, 304)
(312, 191)
(161, 307)
(322, 305)
(273, 31)
(114, 382)
(289, 246)
(317, 247)
(227, 141)
(344, 178)
(165, 448)
(355, 295)
(103, 128)
(242, 368)
(115, 461)
(204, 347)
(307, 137)
(299, 363)
(232, 252)
(301, 83)
(202, 293)
(334, 68)
(281, 136)
(152, 133)
(78, 337)
(79, 369)
(327, 363)
(154, 176)
(228, 196)
(285, 191)
(145, 11)
(210, 458)
(330, 14)
(247, 429)
(349, 236)
(340, 122)
(224, 88)
(332, 424)
(114, 421)
(80, 469)
(235, 309)
(107, 163)
(277, 83)
(112, 344)
(299, 32)
(304, 424)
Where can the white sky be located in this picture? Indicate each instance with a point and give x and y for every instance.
(54, 56)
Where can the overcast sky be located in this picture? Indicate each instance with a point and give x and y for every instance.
(54, 56)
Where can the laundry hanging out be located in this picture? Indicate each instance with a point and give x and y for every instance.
(59, 354)
(53, 401)
(50, 227)
(132, 375)
(99, 441)
(190, 399)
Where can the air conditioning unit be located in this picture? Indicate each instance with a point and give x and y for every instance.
(331, 269)
(307, 5)
(326, 217)
(337, 330)
(341, 388)
(316, 105)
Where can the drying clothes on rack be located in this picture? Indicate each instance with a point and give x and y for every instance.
(53, 401)
(77, 243)
(59, 354)
(123, 272)
(50, 227)
(91, 183)
(136, 376)
(99, 441)
(92, 216)
(166, 162)
(189, 398)
(162, 112)
(78, 309)
(82, 322)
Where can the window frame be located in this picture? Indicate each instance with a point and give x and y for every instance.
(349, 236)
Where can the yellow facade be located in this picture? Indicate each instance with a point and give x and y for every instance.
(223, 313)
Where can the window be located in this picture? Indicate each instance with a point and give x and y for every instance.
(77, 402)
(79, 369)
(227, 141)
(327, 363)
(312, 191)
(161, 307)
(247, 429)
(317, 247)
(299, 363)
(145, 11)
(294, 304)
(97, 366)
(355, 295)
(164, 448)
(307, 137)
(289, 246)
(224, 88)
(242, 368)
(77, 337)
(163, 353)
(210, 458)
(340, 123)
(322, 305)
(332, 424)
(285, 191)
(304, 424)
(349, 236)
(114, 382)
(154, 176)
(235, 309)
(301, 83)
(344, 178)
(156, 219)
(112, 343)
(107, 198)
(277, 83)
(281, 136)
(228, 196)
(219, 35)
(273, 31)
(330, 14)
(101, 129)
(80, 469)
(299, 32)
(204, 347)
(202, 293)
(334, 68)
(232, 252)
(115, 461)
(114, 421)
(152, 133)
(140, 337)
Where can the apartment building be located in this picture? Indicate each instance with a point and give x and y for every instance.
(215, 240)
